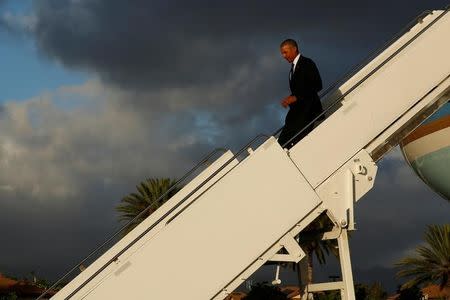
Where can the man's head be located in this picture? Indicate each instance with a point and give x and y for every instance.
(289, 50)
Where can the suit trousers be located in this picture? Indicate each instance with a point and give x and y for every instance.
(295, 122)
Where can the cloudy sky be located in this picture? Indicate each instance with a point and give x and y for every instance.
(97, 95)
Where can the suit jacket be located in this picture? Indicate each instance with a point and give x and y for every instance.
(305, 83)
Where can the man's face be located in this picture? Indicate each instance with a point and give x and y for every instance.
(289, 52)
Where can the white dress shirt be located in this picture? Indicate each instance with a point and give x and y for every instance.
(296, 61)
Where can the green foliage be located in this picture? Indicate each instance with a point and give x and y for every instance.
(375, 291)
(10, 296)
(262, 291)
(148, 192)
(361, 291)
(431, 264)
(42, 283)
(8, 275)
(330, 295)
(311, 239)
(35, 280)
(412, 293)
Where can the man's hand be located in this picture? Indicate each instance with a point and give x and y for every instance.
(288, 100)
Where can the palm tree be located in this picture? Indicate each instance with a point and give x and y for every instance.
(432, 261)
(148, 193)
(310, 240)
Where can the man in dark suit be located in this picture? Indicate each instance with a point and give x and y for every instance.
(304, 102)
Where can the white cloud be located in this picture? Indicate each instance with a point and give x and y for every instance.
(18, 22)
(59, 142)
(52, 145)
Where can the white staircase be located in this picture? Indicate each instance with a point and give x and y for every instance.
(236, 215)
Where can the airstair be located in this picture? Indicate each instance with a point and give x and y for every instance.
(239, 212)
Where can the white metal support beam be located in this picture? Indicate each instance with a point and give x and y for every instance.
(295, 253)
(326, 286)
(345, 286)
(346, 186)
(348, 291)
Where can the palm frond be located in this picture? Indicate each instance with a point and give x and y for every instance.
(431, 264)
(148, 198)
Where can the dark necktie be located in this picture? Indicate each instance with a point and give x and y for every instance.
(291, 72)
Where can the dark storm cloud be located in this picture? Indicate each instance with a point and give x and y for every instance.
(226, 50)
(162, 46)
(50, 238)
(177, 43)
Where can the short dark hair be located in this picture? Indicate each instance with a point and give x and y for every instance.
(289, 42)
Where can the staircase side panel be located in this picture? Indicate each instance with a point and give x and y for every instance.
(149, 221)
(219, 235)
